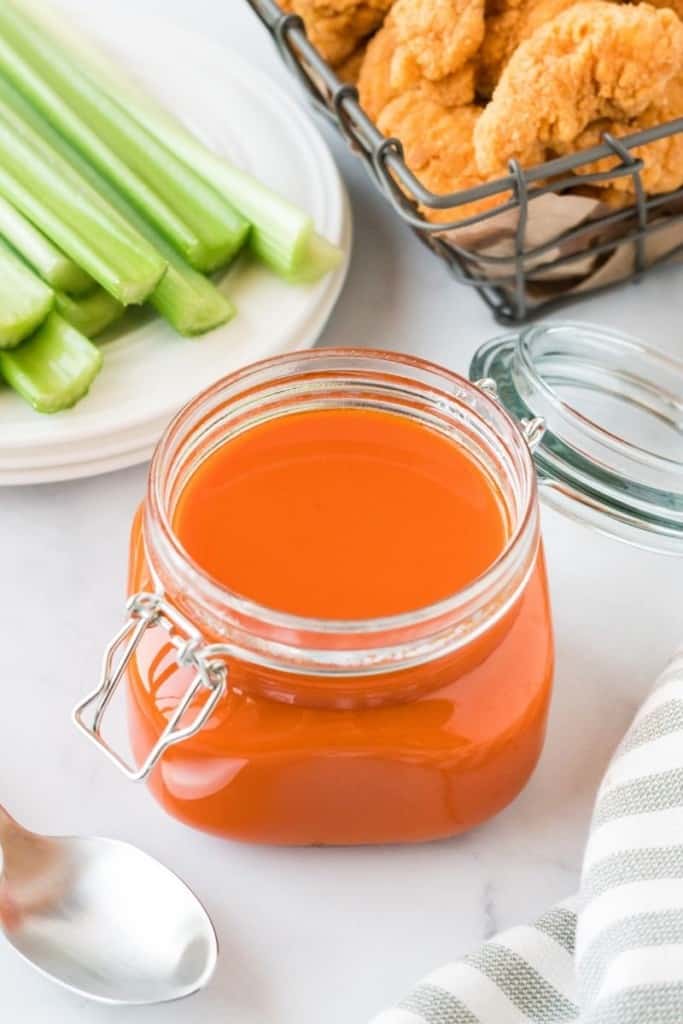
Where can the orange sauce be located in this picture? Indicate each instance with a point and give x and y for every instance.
(342, 514)
(348, 514)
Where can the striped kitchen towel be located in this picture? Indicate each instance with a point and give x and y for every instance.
(614, 954)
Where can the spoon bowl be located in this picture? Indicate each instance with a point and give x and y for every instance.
(102, 918)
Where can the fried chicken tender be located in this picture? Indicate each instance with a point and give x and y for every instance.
(593, 61)
(426, 46)
(438, 148)
(673, 5)
(663, 159)
(349, 69)
(377, 88)
(509, 23)
(336, 27)
(435, 38)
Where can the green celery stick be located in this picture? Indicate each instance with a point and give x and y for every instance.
(281, 234)
(199, 222)
(55, 268)
(321, 258)
(189, 301)
(25, 300)
(90, 314)
(53, 368)
(49, 192)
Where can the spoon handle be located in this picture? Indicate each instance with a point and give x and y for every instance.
(33, 872)
(8, 828)
(11, 834)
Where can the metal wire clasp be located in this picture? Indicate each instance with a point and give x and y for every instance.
(144, 611)
(533, 429)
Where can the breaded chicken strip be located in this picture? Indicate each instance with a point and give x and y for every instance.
(434, 38)
(438, 149)
(336, 27)
(673, 5)
(509, 23)
(663, 159)
(595, 60)
(349, 69)
(425, 45)
(377, 88)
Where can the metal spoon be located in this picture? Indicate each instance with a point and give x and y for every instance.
(102, 918)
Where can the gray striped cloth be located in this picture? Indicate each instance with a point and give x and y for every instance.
(614, 954)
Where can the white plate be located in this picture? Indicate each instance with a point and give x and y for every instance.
(149, 372)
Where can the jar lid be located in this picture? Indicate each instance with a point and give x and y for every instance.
(612, 451)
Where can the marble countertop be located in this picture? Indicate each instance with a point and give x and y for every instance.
(324, 935)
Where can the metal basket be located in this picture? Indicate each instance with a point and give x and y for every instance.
(508, 283)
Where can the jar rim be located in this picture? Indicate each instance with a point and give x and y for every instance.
(161, 537)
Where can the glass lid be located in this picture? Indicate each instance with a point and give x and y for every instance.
(612, 450)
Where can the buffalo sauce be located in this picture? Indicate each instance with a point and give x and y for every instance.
(342, 514)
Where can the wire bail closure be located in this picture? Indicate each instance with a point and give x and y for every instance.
(147, 610)
(532, 428)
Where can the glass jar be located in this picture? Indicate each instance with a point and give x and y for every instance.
(268, 727)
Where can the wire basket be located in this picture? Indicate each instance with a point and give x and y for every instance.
(511, 283)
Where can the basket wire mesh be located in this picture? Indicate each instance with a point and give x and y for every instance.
(505, 282)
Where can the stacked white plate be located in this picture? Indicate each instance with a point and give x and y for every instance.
(150, 372)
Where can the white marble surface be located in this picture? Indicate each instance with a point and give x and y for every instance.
(323, 935)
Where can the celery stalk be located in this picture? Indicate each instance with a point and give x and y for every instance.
(189, 301)
(199, 222)
(49, 192)
(25, 300)
(54, 368)
(90, 314)
(281, 234)
(321, 258)
(55, 268)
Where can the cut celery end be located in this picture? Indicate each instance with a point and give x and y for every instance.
(199, 222)
(90, 314)
(280, 231)
(70, 278)
(55, 268)
(35, 179)
(191, 303)
(321, 258)
(54, 368)
(25, 300)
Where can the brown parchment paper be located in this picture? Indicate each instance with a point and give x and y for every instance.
(490, 246)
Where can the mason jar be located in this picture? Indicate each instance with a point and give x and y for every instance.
(263, 726)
